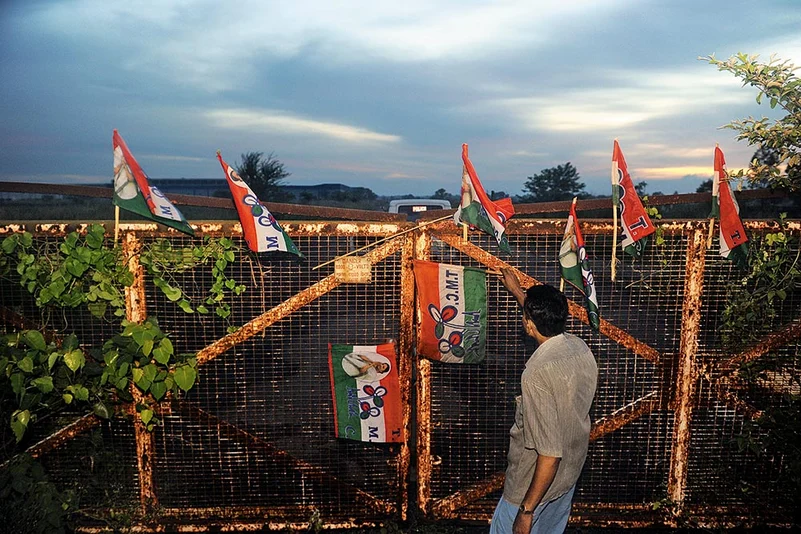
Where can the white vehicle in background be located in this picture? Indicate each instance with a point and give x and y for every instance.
(413, 207)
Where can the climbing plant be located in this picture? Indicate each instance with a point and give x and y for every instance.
(41, 376)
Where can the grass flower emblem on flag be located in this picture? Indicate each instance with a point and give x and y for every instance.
(637, 226)
(366, 392)
(133, 192)
(477, 210)
(575, 266)
(451, 312)
(262, 232)
(733, 240)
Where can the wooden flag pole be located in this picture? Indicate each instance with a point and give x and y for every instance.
(614, 226)
(464, 232)
(116, 224)
(712, 219)
(561, 278)
(393, 236)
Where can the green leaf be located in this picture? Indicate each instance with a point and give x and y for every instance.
(202, 310)
(74, 359)
(67, 398)
(166, 345)
(186, 306)
(122, 383)
(230, 284)
(80, 392)
(229, 256)
(26, 239)
(34, 340)
(158, 389)
(161, 356)
(94, 238)
(97, 309)
(146, 415)
(147, 347)
(172, 293)
(101, 409)
(70, 342)
(25, 364)
(44, 383)
(150, 371)
(17, 383)
(19, 430)
(185, 376)
(9, 244)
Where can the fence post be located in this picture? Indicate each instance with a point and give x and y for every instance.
(422, 251)
(136, 311)
(406, 366)
(686, 369)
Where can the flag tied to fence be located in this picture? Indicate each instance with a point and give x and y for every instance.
(133, 192)
(366, 392)
(575, 266)
(451, 312)
(477, 210)
(262, 232)
(733, 241)
(637, 226)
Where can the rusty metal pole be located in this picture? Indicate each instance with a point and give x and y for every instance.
(687, 369)
(406, 367)
(136, 311)
(422, 251)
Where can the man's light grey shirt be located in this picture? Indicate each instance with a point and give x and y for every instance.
(552, 415)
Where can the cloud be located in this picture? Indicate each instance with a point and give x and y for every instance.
(268, 121)
(178, 159)
(214, 45)
(637, 96)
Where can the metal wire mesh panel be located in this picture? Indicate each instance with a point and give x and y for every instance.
(254, 439)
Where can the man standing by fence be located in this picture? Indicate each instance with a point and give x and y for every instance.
(550, 435)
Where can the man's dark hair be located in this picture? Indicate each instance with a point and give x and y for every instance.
(546, 307)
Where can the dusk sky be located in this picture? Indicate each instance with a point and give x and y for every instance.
(382, 94)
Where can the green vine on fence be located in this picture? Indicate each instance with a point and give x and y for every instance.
(753, 308)
(38, 376)
(161, 260)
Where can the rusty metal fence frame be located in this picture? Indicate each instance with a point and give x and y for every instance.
(688, 375)
(415, 374)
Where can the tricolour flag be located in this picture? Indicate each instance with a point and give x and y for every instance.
(366, 392)
(476, 208)
(451, 312)
(637, 226)
(262, 232)
(575, 266)
(133, 192)
(733, 241)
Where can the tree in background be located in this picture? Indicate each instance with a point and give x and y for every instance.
(705, 187)
(777, 82)
(265, 176)
(556, 183)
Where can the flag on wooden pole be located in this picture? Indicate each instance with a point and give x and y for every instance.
(575, 266)
(133, 192)
(634, 220)
(262, 232)
(476, 208)
(733, 241)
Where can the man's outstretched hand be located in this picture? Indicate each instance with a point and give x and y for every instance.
(511, 283)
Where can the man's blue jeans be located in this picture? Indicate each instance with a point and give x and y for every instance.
(549, 517)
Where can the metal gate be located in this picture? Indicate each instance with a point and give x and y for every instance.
(252, 444)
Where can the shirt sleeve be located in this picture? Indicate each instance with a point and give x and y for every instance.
(541, 430)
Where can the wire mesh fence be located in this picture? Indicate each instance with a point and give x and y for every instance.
(253, 442)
